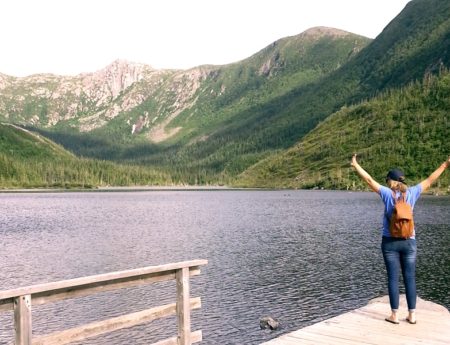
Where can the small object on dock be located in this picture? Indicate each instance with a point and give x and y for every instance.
(268, 323)
(366, 325)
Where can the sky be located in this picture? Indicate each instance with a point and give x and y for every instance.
(68, 37)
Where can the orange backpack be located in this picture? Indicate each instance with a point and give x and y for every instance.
(401, 223)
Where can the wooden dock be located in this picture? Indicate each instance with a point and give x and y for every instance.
(366, 325)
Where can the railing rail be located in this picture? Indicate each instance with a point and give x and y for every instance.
(20, 300)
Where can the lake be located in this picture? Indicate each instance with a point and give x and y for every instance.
(298, 256)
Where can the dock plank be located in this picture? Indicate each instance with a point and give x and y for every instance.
(366, 325)
(313, 339)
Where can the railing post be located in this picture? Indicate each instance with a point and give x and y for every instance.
(183, 307)
(22, 320)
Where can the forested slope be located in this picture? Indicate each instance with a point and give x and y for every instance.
(407, 127)
(28, 160)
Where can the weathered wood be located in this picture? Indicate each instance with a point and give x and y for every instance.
(86, 290)
(113, 324)
(20, 301)
(195, 338)
(22, 320)
(125, 283)
(7, 304)
(366, 325)
(96, 280)
(183, 307)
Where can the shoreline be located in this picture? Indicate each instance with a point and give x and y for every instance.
(121, 189)
(185, 188)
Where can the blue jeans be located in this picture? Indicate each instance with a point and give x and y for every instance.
(400, 253)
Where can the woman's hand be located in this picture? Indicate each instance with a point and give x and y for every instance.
(354, 162)
(447, 162)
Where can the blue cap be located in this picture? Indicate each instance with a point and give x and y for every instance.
(396, 175)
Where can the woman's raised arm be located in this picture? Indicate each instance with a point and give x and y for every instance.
(374, 185)
(425, 184)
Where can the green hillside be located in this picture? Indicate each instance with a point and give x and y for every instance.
(273, 72)
(23, 144)
(407, 128)
(28, 160)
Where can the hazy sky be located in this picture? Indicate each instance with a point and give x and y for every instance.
(69, 37)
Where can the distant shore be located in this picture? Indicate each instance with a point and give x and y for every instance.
(120, 189)
(434, 192)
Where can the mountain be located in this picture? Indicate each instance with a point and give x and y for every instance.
(411, 39)
(149, 100)
(211, 123)
(84, 102)
(160, 118)
(414, 46)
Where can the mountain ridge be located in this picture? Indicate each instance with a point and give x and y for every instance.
(94, 99)
(314, 32)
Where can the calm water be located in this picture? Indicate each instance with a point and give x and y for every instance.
(298, 256)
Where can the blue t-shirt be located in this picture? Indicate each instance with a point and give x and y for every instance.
(412, 195)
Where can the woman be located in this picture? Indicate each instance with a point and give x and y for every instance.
(399, 253)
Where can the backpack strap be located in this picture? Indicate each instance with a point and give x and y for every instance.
(395, 201)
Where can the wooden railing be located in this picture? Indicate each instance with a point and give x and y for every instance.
(21, 299)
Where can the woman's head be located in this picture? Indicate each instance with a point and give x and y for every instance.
(395, 180)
